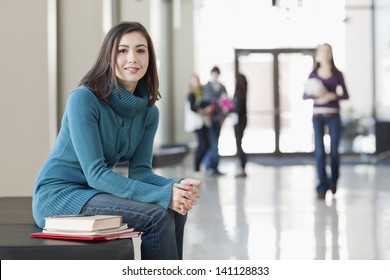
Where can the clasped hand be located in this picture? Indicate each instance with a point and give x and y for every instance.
(184, 195)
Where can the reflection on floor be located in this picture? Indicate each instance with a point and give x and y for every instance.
(273, 214)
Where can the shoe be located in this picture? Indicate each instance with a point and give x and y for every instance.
(321, 196)
(333, 190)
(215, 172)
(241, 175)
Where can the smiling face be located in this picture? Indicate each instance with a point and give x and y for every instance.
(132, 59)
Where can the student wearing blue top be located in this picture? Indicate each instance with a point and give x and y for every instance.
(111, 118)
(213, 91)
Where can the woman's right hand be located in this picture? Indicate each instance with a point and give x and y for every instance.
(326, 98)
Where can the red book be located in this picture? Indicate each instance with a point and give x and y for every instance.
(91, 237)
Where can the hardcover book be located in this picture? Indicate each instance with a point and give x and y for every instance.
(82, 222)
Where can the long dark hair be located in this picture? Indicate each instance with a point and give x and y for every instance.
(101, 78)
(241, 86)
(317, 65)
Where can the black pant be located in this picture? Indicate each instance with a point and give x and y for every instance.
(239, 134)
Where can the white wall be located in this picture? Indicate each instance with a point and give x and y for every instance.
(183, 67)
(359, 56)
(24, 132)
(24, 110)
(80, 34)
(135, 10)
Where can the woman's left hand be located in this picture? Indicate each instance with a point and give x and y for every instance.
(194, 184)
(185, 195)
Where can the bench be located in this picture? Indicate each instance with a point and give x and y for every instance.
(169, 155)
(16, 223)
(166, 155)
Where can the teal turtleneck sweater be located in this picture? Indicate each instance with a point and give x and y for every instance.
(96, 135)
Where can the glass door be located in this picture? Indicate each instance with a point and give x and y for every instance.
(279, 120)
(260, 133)
(296, 129)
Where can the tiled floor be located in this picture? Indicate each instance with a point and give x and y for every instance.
(273, 214)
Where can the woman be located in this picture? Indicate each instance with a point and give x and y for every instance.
(326, 113)
(110, 118)
(194, 99)
(239, 100)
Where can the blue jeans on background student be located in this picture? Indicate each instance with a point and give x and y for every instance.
(333, 122)
(211, 159)
(162, 229)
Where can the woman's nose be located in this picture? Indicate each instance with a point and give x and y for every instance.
(131, 57)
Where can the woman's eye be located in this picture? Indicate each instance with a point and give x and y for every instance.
(141, 51)
(122, 51)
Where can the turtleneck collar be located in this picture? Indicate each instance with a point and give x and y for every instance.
(127, 104)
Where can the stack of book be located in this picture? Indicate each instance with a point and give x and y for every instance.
(86, 227)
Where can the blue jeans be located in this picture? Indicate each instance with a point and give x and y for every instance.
(162, 229)
(203, 146)
(211, 159)
(333, 123)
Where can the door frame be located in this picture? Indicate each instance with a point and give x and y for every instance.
(276, 93)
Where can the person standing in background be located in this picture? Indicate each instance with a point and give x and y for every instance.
(326, 95)
(240, 121)
(197, 119)
(213, 91)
